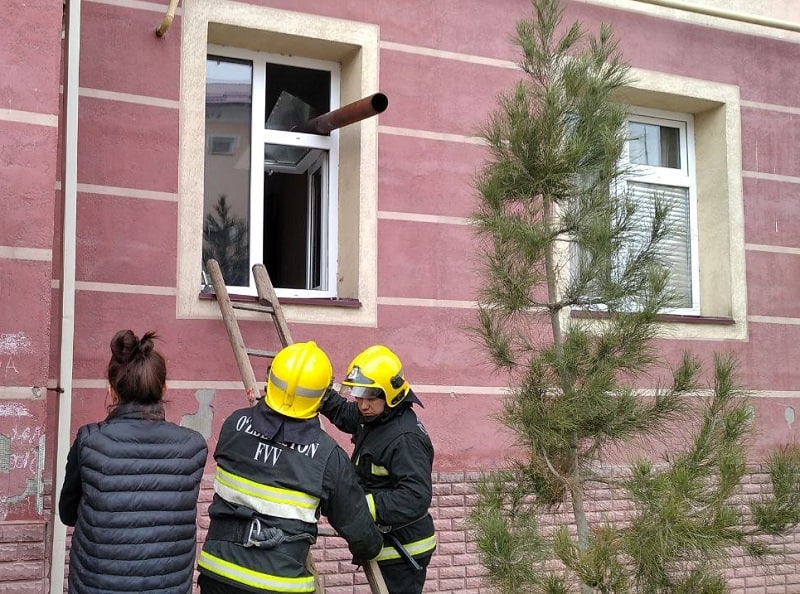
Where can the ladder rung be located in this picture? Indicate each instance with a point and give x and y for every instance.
(253, 307)
(261, 353)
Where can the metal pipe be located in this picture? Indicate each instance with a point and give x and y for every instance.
(162, 29)
(67, 285)
(348, 114)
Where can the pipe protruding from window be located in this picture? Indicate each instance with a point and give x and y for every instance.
(345, 115)
(162, 29)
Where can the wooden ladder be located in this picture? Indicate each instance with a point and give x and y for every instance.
(267, 303)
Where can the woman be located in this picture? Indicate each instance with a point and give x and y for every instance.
(131, 484)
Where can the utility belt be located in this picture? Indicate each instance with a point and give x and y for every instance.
(252, 532)
(404, 553)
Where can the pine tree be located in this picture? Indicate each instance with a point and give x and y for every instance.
(556, 236)
(225, 239)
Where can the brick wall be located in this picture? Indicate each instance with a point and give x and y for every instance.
(454, 569)
(23, 557)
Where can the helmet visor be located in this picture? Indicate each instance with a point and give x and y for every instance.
(362, 392)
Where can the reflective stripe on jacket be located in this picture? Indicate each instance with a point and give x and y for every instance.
(255, 579)
(265, 499)
(418, 548)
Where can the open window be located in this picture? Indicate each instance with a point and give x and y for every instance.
(318, 190)
(275, 201)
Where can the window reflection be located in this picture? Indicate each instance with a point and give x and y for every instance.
(226, 204)
(654, 145)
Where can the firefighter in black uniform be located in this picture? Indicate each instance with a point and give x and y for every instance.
(393, 456)
(276, 472)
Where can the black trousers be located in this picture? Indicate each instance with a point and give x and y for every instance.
(401, 578)
(211, 586)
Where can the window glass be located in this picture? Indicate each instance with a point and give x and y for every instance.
(655, 145)
(295, 95)
(675, 249)
(226, 203)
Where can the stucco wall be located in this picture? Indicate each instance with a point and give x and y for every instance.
(442, 65)
(30, 60)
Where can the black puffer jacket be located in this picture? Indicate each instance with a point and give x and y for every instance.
(131, 492)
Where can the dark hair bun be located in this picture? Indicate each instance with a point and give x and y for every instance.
(126, 346)
(145, 346)
(123, 345)
(137, 372)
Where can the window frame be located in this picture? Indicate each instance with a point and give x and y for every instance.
(260, 136)
(684, 177)
(356, 47)
(716, 108)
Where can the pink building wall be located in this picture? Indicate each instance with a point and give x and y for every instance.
(30, 68)
(442, 65)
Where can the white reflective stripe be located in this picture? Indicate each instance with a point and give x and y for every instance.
(371, 505)
(379, 470)
(267, 500)
(255, 579)
(415, 548)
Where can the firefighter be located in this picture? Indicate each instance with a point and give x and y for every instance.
(393, 457)
(277, 471)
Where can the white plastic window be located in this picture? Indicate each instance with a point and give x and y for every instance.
(660, 156)
(271, 196)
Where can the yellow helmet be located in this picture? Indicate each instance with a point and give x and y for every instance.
(376, 372)
(297, 380)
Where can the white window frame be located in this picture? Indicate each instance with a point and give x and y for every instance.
(685, 177)
(261, 136)
(355, 46)
(716, 109)
(322, 165)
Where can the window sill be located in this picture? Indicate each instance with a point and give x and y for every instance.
(322, 301)
(665, 318)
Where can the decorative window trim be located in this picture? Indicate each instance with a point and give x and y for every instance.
(354, 46)
(720, 213)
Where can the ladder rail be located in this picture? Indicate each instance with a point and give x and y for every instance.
(267, 297)
(371, 569)
(232, 327)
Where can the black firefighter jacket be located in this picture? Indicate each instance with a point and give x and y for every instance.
(393, 456)
(131, 491)
(274, 477)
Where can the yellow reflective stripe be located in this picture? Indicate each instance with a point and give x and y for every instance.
(379, 470)
(271, 501)
(371, 505)
(255, 579)
(415, 548)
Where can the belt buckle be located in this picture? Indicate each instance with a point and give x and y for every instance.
(383, 529)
